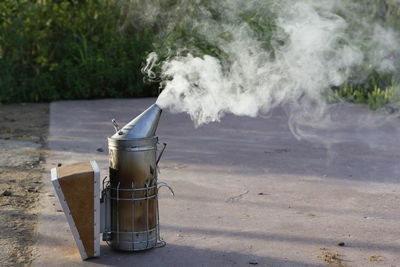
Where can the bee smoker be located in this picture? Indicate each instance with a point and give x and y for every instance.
(126, 209)
(130, 196)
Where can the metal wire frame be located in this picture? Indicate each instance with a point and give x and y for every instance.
(151, 240)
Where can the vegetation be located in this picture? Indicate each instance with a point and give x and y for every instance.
(376, 97)
(52, 50)
(377, 88)
(70, 49)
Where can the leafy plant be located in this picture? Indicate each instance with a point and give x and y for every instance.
(70, 49)
(58, 49)
(376, 98)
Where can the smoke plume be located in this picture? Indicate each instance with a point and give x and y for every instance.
(313, 46)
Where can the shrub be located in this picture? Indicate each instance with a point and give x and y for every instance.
(53, 50)
(69, 49)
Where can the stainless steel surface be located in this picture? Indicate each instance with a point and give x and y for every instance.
(133, 192)
(132, 189)
(144, 125)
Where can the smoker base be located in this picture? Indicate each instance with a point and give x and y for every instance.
(136, 241)
(139, 207)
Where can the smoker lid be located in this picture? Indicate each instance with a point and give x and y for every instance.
(144, 125)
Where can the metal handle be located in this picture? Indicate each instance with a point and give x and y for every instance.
(116, 127)
(161, 184)
(162, 151)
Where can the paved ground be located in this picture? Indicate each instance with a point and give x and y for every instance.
(247, 191)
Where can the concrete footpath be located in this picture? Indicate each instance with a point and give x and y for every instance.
(247, 191)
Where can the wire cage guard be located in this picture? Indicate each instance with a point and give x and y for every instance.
(135, 230)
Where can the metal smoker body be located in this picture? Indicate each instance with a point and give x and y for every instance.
(131, 194)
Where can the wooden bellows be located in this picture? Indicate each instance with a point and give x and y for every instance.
(78, 189)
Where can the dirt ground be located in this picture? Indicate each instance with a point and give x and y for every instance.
(23, 133)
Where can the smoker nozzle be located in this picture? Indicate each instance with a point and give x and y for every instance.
(144, 125)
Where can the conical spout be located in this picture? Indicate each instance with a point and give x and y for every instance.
(144, 125)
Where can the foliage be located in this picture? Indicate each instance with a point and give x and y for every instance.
(367, 84)
(51, 50)
(69, 49)
(376, 96)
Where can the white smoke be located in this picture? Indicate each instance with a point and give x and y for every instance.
(387, 42)
(313, 49)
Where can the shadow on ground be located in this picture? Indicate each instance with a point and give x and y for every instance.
(179, 255)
